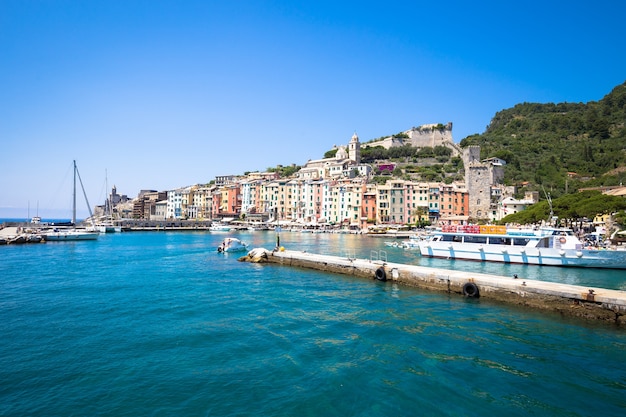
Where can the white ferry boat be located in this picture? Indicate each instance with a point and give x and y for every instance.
(546, 246)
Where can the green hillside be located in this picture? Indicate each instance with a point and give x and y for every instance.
(542, 143)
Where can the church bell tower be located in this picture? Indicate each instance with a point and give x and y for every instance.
(354, 149)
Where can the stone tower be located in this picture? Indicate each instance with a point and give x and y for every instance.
(478, 181)
(354, 149)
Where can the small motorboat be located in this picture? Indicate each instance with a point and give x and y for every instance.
(219, 227)
(232, 244)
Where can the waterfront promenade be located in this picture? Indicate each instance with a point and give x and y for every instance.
(568, 300)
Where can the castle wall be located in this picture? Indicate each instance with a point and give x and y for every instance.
(430, 135)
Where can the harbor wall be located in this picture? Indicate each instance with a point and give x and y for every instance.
(588, 303)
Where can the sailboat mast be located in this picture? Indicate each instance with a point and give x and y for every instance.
(107, 204)
(84, 194)
(74, 197)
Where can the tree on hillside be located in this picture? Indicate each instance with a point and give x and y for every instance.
(331, 153)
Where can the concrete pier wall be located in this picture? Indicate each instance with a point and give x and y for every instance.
(587, 303)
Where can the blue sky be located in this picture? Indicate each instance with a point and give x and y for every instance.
(164, 94)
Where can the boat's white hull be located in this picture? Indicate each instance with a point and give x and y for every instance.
(236, 249)
(70, 235)
(521, 255)
(220, 228)
(108, 229)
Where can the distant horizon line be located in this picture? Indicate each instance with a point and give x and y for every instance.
(23, 213)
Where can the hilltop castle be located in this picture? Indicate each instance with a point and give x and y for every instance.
(429, 135)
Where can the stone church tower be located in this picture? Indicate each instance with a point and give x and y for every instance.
(354, 149)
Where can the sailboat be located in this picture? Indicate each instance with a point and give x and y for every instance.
(63, 234)
(36, 219)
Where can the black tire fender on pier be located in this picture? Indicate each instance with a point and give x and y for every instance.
(470, 290)
(381, 275)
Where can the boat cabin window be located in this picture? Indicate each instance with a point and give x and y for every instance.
(543, 243)
(520, 241)
(450, 238)
(499, 240)
(563, 232)
(475, 239)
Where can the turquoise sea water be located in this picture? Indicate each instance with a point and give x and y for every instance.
(161, 324)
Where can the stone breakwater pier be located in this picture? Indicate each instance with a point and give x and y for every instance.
(567, 300)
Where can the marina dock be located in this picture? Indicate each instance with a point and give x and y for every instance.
(588, 303)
